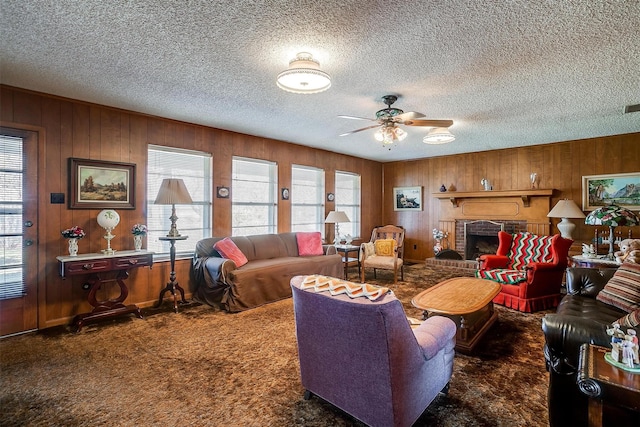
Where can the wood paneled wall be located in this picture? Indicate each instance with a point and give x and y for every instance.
(559, 166)
(78, 129)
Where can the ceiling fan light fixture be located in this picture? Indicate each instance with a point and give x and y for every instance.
(438, 136)
(389, 133)
(304, 76)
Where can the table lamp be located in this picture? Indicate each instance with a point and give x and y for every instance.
(336, 217)
(173, 192)
(565, 209)
(612, 216)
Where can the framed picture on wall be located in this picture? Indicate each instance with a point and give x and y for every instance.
(623, 189)
(96, 184)
(407, 198)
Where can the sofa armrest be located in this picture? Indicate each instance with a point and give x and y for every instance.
(218, 268)
(564, 334)
(587, 281)
(434, 334)
(329, 249)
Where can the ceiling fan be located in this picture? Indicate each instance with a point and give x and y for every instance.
(389, 118)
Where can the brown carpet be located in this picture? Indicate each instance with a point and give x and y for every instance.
(203, 367)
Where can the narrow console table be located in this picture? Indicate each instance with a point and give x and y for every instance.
(94, 265)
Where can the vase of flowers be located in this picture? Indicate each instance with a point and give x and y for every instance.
(138, 231)
(439, 236)
(73, 234)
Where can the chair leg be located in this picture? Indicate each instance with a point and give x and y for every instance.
(395, 275)
(307, 394)
(445, 390)
(362, 274)
(402, 272)
(374, 274)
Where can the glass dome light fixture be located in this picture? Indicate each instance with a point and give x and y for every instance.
(438, 136)
(389, 133)
(304, 76)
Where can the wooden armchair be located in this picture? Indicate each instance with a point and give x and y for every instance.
(386, 254)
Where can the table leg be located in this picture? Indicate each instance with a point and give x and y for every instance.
(172, 285)
(106, 308)
(595, 412)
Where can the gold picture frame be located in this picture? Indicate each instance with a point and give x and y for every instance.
(97, 184)
(623, 189)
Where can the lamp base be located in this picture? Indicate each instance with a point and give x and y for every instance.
(173, 231)
(566, 228)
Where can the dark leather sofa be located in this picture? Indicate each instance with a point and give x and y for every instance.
(579, 319)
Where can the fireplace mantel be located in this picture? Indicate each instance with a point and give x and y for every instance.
(455, 196)
(528, 206)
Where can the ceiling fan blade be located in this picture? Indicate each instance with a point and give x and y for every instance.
(357, 118)
(359, 130)
(409, 115)
(431, 123)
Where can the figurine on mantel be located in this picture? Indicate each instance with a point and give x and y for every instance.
(443, 188)
(486, 184)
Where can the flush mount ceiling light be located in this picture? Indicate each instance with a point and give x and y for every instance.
(304, 76)
(438, 136)
(389, 133)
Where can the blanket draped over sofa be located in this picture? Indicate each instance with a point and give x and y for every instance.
(273, 261)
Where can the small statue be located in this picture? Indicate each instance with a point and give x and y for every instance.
(588, 251)
(443, 188)
(486, 184)
(534, 178)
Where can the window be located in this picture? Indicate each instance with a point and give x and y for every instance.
(11, 170)
(253, 197)
(194, 167)
(307, 199)
(348, 200)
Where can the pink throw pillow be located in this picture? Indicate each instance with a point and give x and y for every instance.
(229, 250)
(309, 243)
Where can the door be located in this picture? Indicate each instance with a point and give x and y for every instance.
(18, 231)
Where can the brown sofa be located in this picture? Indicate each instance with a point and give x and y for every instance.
(273, 261)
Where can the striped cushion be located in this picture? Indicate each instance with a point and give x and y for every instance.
(508, 277)
(526, 248)
(623, 289)
(631, 320)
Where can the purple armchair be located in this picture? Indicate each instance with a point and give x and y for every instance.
(363, 357)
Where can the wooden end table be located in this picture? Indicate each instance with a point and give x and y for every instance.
(465, 300)
(345, 250)
(605, 384)
(597, 262)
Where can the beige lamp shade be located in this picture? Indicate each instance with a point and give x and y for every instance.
(336, 217)
(173, 192)
(565, 209)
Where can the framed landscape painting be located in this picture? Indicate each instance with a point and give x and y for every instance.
(407, 198)
(623, 189)
(96, 184)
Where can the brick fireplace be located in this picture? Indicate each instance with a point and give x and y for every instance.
(473, 219)
(478, 237)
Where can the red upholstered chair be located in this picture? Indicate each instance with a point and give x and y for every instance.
(529, 268)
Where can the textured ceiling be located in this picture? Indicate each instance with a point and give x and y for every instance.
(508, 73)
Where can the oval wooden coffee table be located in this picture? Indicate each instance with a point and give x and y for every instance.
(465, 300)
